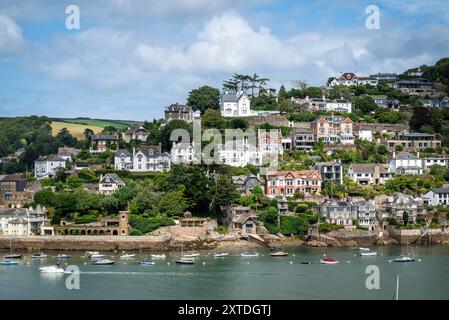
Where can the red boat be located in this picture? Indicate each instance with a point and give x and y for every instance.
(329, 261)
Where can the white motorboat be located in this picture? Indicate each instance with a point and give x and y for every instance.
(103, 262)
(221, 254)
(191, 255)
(51, 269)
(39, 255)
(404, 259)
(249, 254)
(158, 256)
(63, 256)
(364, 254)
(364, 249)
(127, 256)
(96, 256)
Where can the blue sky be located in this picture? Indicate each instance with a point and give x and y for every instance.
(131, 58)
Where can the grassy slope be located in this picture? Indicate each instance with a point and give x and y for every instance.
(118, 124)
(77, 130)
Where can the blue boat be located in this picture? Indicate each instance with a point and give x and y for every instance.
(9, 263)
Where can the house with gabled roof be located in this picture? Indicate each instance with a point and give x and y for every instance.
(123, 160)
(109, 183)
(177, 111)
(150, 159)
(48, 166)
(287, 183)
(135, 132)
(235, 105)
(246, 183)
(103, 142)
(333, 129)
(369, 173)
(351, 79)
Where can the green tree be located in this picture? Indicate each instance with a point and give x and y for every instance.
(173, 203)
(366, 105)
(66, 138)
(204, 98)
(212, 119)
(167, 130)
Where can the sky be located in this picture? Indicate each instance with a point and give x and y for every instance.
(131, 58)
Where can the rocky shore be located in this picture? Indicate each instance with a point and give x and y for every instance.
(216, 241)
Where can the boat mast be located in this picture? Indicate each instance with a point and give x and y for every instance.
(397, 287)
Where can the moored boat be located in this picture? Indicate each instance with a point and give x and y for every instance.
(306, 262)
(146, 262)
(185, 260)
(158, 256)
(63, 256)
(404, 259)
(127, 256)
(90, 253)
(102, 262)
(221, 254)
(249, 254)
(364, 249)
(38, 255)
(51, 269)
(13, 256)
(9, 263)
(96, 256)
(329, 261)
(277, 252)
(363, 254)
(191, 255)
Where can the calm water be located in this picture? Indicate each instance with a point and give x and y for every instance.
(234, 277)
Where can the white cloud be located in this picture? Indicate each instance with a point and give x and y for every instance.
(11, 39)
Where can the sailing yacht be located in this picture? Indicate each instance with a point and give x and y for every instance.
(12, 255)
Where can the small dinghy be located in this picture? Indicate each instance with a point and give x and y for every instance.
(39, 255)
(404, 259)
(191, 255)
(63, 256)
(277, 252)
(146, 262)
(221, 255)
(185, 260)
(328, 261)
(158, 256)
(9, 263)
(364, 249)
(365, 254)
(127, 256)
(103, 262)
(13, 256)
(51, 269)
(249, 254)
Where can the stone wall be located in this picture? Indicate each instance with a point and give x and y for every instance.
(379, 127)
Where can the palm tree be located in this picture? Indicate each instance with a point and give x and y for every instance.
(262, 82)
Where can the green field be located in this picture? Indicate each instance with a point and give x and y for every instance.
(118, 124)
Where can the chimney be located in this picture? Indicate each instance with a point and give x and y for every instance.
(417, 154)
(394, 154)
(134, 151)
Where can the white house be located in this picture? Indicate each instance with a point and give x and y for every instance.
(22, 221)
(365, 135)
(369, 173)
(123, 160)
(437, 196)
(406, 163)
(150, 159)
(439, 161)
(182, 153)
(109, 183)
(240, 154)
(351, 79)
(235, 105)
(47, 166)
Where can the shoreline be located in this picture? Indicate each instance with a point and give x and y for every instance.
(172, 243)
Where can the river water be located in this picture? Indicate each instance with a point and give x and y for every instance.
(235, 277)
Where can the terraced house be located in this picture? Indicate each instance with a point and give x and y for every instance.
(287, 183)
